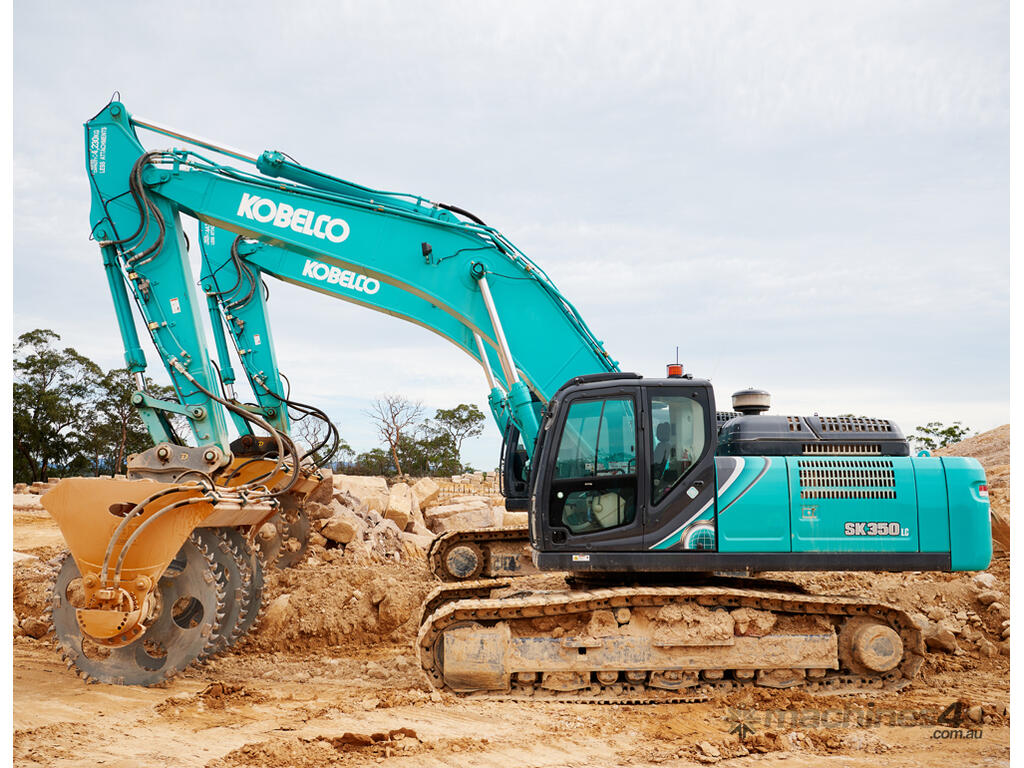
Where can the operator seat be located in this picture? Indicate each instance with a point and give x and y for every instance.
(662, 451)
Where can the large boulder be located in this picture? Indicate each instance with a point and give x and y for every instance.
(324, 491)
(26, 501)
(426, 491)
(469, 519)
(447, 510)
(372, 491)
(515, 519)
(402, 506)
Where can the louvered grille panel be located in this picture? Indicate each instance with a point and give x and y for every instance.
(855, 479)
(843, 449)
(854, 424)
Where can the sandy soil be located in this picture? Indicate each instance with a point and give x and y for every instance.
(330, 679)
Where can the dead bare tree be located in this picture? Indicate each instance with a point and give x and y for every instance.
(394, 416)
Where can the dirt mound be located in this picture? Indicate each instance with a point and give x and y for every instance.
(33, 581)
(347, 749)
(991, 448)
(322, 604)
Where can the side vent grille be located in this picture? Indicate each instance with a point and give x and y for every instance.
(854, 479)
(842, 449)
(724, 416)
(854, 424)
(794, 424)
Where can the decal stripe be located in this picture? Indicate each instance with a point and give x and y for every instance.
(767, 464)
(665, 543)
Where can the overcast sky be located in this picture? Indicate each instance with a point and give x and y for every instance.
(811, 198)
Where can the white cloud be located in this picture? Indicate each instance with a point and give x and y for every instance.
(801, 195)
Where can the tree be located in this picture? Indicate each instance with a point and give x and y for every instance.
(462, 421)
(125, 432)
(937, 435)
(310, 432)
(53, 390)
(374, 462)
(429, 453)
(396, 419)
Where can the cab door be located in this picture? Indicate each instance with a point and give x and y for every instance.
(594, 496)
(680, 476)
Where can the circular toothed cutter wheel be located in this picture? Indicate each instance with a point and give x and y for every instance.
(254, 605)
(242, 575)
(287, 545)
(232, 576)
(188, 607)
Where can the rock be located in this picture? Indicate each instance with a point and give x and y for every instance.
(395, 609)
(400, 505)
(941, 638)
(708, 752)
(985, 580)
(447, 510)
(384, 539)
(1006, 633)
(953, 626)
(515, 519)
(987, 648)
(372, 491)
(426, 491)
(999, 610)
(267, 531)
(34, 627)
(349, 501)
(342, 526)
(322, 493)
(20, 488)
(975, 713)
(316, 539)
(480, 517)
(317, 511)
(27, 501)
(937, 613)
(22, 557)
(421, 530)
(988, 596)
(357, 552)
(277, 612)
(421, 542)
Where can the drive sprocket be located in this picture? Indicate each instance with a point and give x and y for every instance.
(186, 609)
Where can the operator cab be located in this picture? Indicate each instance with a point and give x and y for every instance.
(621, 459)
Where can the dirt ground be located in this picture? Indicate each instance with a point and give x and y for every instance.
(329, 678)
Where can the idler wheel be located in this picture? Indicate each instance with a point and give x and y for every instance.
(464, 561)
(877, 647)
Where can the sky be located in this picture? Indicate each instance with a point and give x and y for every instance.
(807, 197)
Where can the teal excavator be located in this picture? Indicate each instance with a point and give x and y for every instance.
(659, 509)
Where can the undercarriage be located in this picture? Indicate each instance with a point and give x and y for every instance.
(668, 643)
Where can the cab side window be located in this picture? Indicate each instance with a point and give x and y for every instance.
(594, 485)
(678, 429)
